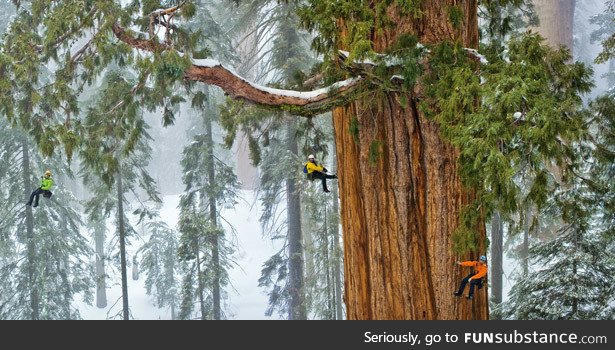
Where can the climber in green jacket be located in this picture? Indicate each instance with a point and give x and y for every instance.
(44, 189)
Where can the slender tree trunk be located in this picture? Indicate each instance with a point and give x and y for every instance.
(247, 174)
(611, 74)
(496, 259)
(525, 247)
(170, 272)
(201, 288)
(575, 301)
(135, 268)
(399, 214)
(325, 249)
(200, 276)
(556, 21)
(30, 239)
(297, 309)
(213, 216)
(101, 287)
(68, 294)
(122, 234)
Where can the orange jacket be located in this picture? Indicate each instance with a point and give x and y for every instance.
(479, 267)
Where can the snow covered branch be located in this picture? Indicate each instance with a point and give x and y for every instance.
(302, 102)
(213, 72)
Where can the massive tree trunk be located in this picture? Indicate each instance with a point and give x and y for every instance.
(399, 214)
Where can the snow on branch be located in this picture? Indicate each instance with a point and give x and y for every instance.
(170, 10)
(477, 55)
(213, 72)
(392, 61)
(389, 61)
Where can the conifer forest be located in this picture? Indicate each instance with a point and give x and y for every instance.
(307, 159)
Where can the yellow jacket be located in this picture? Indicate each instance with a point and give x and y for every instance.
(479, 267)
(312, 167)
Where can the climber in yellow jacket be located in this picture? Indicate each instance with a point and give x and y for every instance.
(317, 171)
(475, 278)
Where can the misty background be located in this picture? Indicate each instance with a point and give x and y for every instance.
(256, 40)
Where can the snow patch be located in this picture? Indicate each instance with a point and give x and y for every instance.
(480, 57)
(306, 94)
(206, 62)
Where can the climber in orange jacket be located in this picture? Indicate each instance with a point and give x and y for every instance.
(475, 278)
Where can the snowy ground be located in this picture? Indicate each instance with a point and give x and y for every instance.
(247, 301)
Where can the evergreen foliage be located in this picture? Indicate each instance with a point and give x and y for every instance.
(204, 250)
(605, 33)
(114, 165)
(573, 275)
(573, 280)
(56, 249)
(160, 263)
(515, 113)
(278, 144)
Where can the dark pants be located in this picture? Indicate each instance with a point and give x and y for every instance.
(323, 177)
(34, 196)
(472, 284)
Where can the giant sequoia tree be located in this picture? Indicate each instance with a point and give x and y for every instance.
(428, 134)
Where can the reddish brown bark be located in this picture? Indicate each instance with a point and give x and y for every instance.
(399, 214)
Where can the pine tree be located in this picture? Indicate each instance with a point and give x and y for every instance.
(211, 186)
(44, 262)
(161, 265)
(115, 158)
(99, 232)
(606, 33)
(498, 23)
(419, 118)
(294, 286)
(572, 275)
(573, 279)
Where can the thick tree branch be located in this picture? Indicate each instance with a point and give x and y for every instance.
(238, 87)
(212, 72)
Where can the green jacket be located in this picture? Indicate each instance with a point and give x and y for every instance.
(46, 183)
